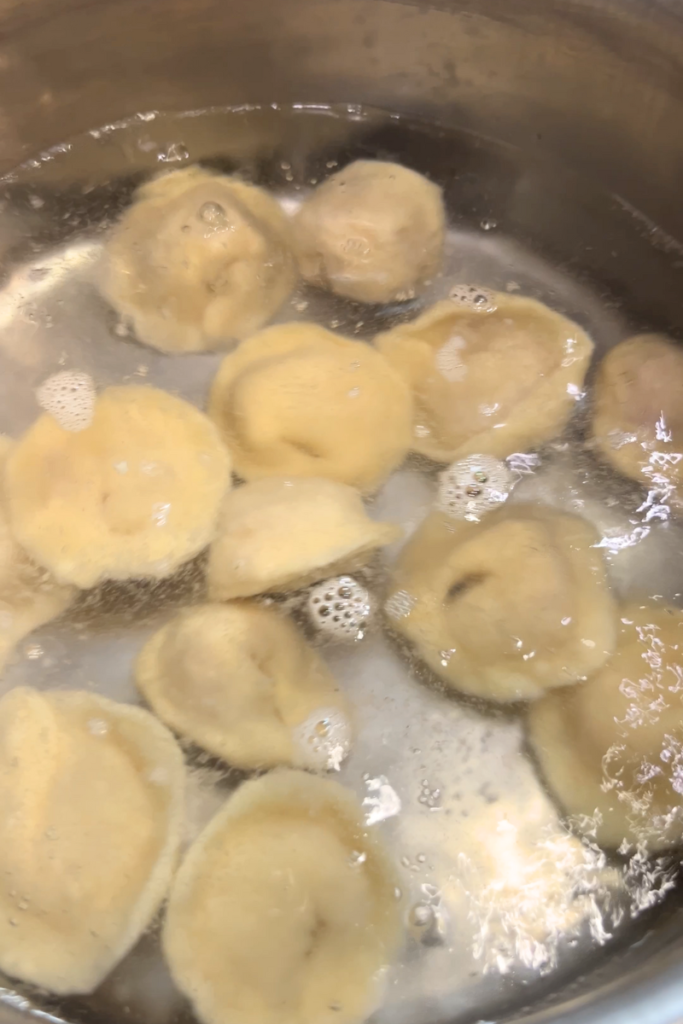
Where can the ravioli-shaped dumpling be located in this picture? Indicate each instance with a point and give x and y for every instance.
(29, 594)
(373, 231)
(91, 814)
(638, 410)
(611, 750)
(198, 259)
(297, 400)
(135, 494)
(506, 608)
(241, 681)
(492, 380)
(278, 535)
(284, 909)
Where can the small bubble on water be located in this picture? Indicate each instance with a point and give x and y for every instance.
(488, 224)
(357, 858)
(214, 215)
(174, 153)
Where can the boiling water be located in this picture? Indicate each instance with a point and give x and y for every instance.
(500, 894)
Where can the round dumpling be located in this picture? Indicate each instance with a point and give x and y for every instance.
(240, 681)
(92, 811)
(506, 608)
(373, 231)
(198, 259)
(278, 535)
(638, 410)
(297, 400)
(135, 494)
(611, 750)
(284, 909)
(488, 379)
(29, 595)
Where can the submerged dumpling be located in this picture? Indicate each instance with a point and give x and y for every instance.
(638, 410)
(198, 259)
(611, 750)
(240, 681)
(489, 378)
(373, 231)
(29, 594)
(284, 909)
(91, 811)
(276, 535)
(135, 494)
(297, 400)
(506, 608)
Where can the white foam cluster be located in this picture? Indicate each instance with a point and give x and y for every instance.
(69, 397)
(339, 607)
(473, 486)
(471, 296)
(324, 739)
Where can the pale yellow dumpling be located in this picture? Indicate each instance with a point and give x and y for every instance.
(92, 811)
(135, 494)
(638, 410)
(277, 535)
(373, 231)
(198, 259)
(507, 608)
(489, 380)
(284, 909)
(611, 750)
(298, 400)
(242, 682)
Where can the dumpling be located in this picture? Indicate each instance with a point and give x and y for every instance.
(611, 750)
(297, 400)
(91, 793)
(284, 909)
(506, 608)
(638, 410)
(197, 260)
(373, 232)
(135, 494)
(276, 535)
(29, 594)
(240, 681)
(489, 379)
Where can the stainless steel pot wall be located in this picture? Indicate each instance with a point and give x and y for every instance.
(596, 85)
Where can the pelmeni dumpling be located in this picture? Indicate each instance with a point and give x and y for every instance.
(373, 231)
(491, 378)
(197, 260)
(91, 793)
(240, 681)
(284, 909)
(638, 410)
(297, 400)
(611, 750)
(278, 535)
(507, 608)
(29, 594)
(135, 494)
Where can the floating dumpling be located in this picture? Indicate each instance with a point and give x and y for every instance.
(135, 494)
(488, 378)
(197, 260)
(277, 535)
(611, 750)
(284, 909)
(638, 410)
(29, 594)
(506, 608)
(297, 400)
(373, 231)
(91, 793)
(241, 682)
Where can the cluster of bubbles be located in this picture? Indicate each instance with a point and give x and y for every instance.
(69, 397)
(339, 607)
(470, 296)
(324, 738)
(473, 486)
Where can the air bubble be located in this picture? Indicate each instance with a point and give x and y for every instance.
(324, 739)
(339, 607)
(214, 216)
(470, 296)
(473, 486)
(488, 224)
(69, 397)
